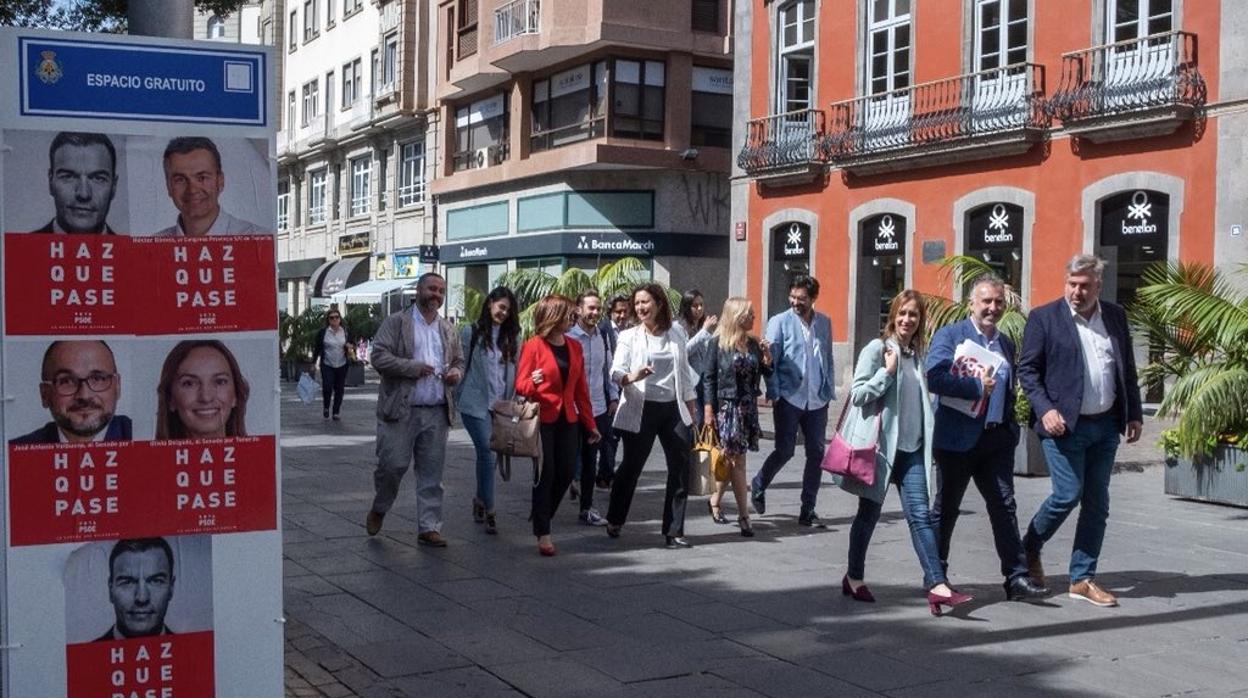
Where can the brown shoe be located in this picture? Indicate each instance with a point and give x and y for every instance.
(1088, 590)
(1035, 569)
(372, 522)
(432, 539)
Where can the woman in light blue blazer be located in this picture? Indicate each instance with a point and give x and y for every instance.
(491, 345)
(889, 404)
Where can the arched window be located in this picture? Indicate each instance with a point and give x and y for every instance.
(216, 27)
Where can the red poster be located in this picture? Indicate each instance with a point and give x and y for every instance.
(61, 493)
(67, 284)
(208, 284)
(162, 666)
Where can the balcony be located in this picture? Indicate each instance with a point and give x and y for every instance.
(320, 130)
(784, 148)
(517, 18)
(989, 114)
(1132, 89)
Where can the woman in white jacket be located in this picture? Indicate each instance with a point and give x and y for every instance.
(657, 400)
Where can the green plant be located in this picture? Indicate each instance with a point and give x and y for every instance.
(362, 321)
(1197, 325)
(958, 272)
(531, 285)
(470, 301)
(298, 333)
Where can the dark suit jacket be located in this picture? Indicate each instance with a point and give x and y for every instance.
(1051, 367)
(955, 431)
(49, 229)
(118, 430)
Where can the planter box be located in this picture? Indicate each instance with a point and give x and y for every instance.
(355, 374)
(1029, 457)
(1224, 479)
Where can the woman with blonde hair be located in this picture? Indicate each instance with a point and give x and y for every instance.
(551, 372)
(889, 405)
(730, 388)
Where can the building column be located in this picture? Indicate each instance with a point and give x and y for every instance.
(677, 101)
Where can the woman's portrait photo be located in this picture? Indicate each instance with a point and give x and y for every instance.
(202, 393)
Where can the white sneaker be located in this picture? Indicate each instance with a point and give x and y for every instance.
(589, 517)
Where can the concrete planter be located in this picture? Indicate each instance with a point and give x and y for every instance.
(1223, 480)
(1029, 457)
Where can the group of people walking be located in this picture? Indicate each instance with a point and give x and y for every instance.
(646, 374)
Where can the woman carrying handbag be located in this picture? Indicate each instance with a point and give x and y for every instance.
(889, 406)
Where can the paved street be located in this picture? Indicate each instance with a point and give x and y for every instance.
(731, 617)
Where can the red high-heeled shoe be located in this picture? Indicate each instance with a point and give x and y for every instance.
(547, 550)
(935, 601)
(862, 593)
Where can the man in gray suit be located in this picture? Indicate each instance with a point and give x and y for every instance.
(418, 354)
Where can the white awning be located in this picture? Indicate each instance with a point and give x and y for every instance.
(370, 291)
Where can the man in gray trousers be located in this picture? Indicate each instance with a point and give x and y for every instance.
(418, 354)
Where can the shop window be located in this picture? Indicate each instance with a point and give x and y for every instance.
(711, 108)
(477, 221)
(586, 210)
(569, 106)
(638, 99)
(797, 56)
(481, 134)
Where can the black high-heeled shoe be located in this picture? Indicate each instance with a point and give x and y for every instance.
(717, 517)
(744, 523)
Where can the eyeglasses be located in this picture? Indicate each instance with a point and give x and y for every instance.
(67, 384)
(335, 317)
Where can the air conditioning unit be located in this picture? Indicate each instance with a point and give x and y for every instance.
(485, 156)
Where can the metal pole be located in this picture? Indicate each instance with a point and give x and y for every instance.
(171, 18)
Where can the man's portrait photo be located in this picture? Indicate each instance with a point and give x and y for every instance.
(82, 179)
(138, 587)
(79, 386)
(194, 180)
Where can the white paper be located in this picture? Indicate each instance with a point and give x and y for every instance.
(971, 360)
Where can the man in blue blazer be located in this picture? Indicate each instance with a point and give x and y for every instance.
(979, 448)
(1078, 372)
(79, 385)
(800, 388)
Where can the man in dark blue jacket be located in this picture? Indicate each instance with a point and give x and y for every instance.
(979, 448)
(79, 385)
(1078, 372)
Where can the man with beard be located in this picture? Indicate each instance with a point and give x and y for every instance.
(419, 357)
(82, 179)
(79, 385)
(140, 586)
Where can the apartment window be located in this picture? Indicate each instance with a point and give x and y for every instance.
(350, 7)
(705, 16)
(412, 174)
(290, 110)
(481, 133)
(294, 29)
(351, 82)
(711, 108)
(283, 204)
(570, 106)
(374, 71)
(888, 66)
(329, 94)
(797, 55)
(383, 174)
(316, 197)
(466, 28)
(311, 101)
(361, 185)
(1001, 33)
(329, 14)
(216, 27)
(335, 201)
(1133, 19)
(638, 98)
(311, 29)
(390, 60)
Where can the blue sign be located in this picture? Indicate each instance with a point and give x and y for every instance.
(142, 82)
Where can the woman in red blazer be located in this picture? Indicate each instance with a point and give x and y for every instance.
(551, 371)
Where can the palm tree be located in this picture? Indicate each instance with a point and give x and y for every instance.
(1198, 325)
(532, 285)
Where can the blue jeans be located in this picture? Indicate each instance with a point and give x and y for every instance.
(911, 479)
(1080, 463)
(788, 419)
(479, 431)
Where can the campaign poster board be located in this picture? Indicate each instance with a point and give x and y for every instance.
(138, 287)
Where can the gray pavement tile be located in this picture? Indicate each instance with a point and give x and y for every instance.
(1202, 664)
(311, 585)
(487, 646)
(465, 681)
(468, 590)
(330, 658)
(780, 679)
(691, 685)
(654, 629)
(1124, 677)
(414, 655)
(562, 676)
(721, 617)
(631, 661)
(339, 563)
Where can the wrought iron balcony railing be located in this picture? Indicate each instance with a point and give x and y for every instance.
(783, 141)
(998, 101)
(517, 18)
(1129, 76)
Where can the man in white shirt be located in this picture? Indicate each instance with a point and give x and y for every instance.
(603, 394)
(1077, 369)
(194, 180)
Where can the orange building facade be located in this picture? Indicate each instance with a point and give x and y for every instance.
(881, 136)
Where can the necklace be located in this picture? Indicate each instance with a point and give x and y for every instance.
(907, 352)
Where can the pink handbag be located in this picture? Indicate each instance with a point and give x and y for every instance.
(845, 460)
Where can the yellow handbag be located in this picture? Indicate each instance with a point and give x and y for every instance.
(712, 465)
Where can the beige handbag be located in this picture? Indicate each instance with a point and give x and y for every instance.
(515, 430)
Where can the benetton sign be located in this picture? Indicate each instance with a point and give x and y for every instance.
(995, 226)
(883, 235)
(1140, 217)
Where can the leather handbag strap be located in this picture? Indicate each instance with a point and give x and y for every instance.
(845, 410)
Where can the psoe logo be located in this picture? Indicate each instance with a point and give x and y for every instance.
(49, 69)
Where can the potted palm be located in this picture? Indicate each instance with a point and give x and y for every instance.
(618, 276)
(959, 271)
(1197, 322)
(297, 334)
